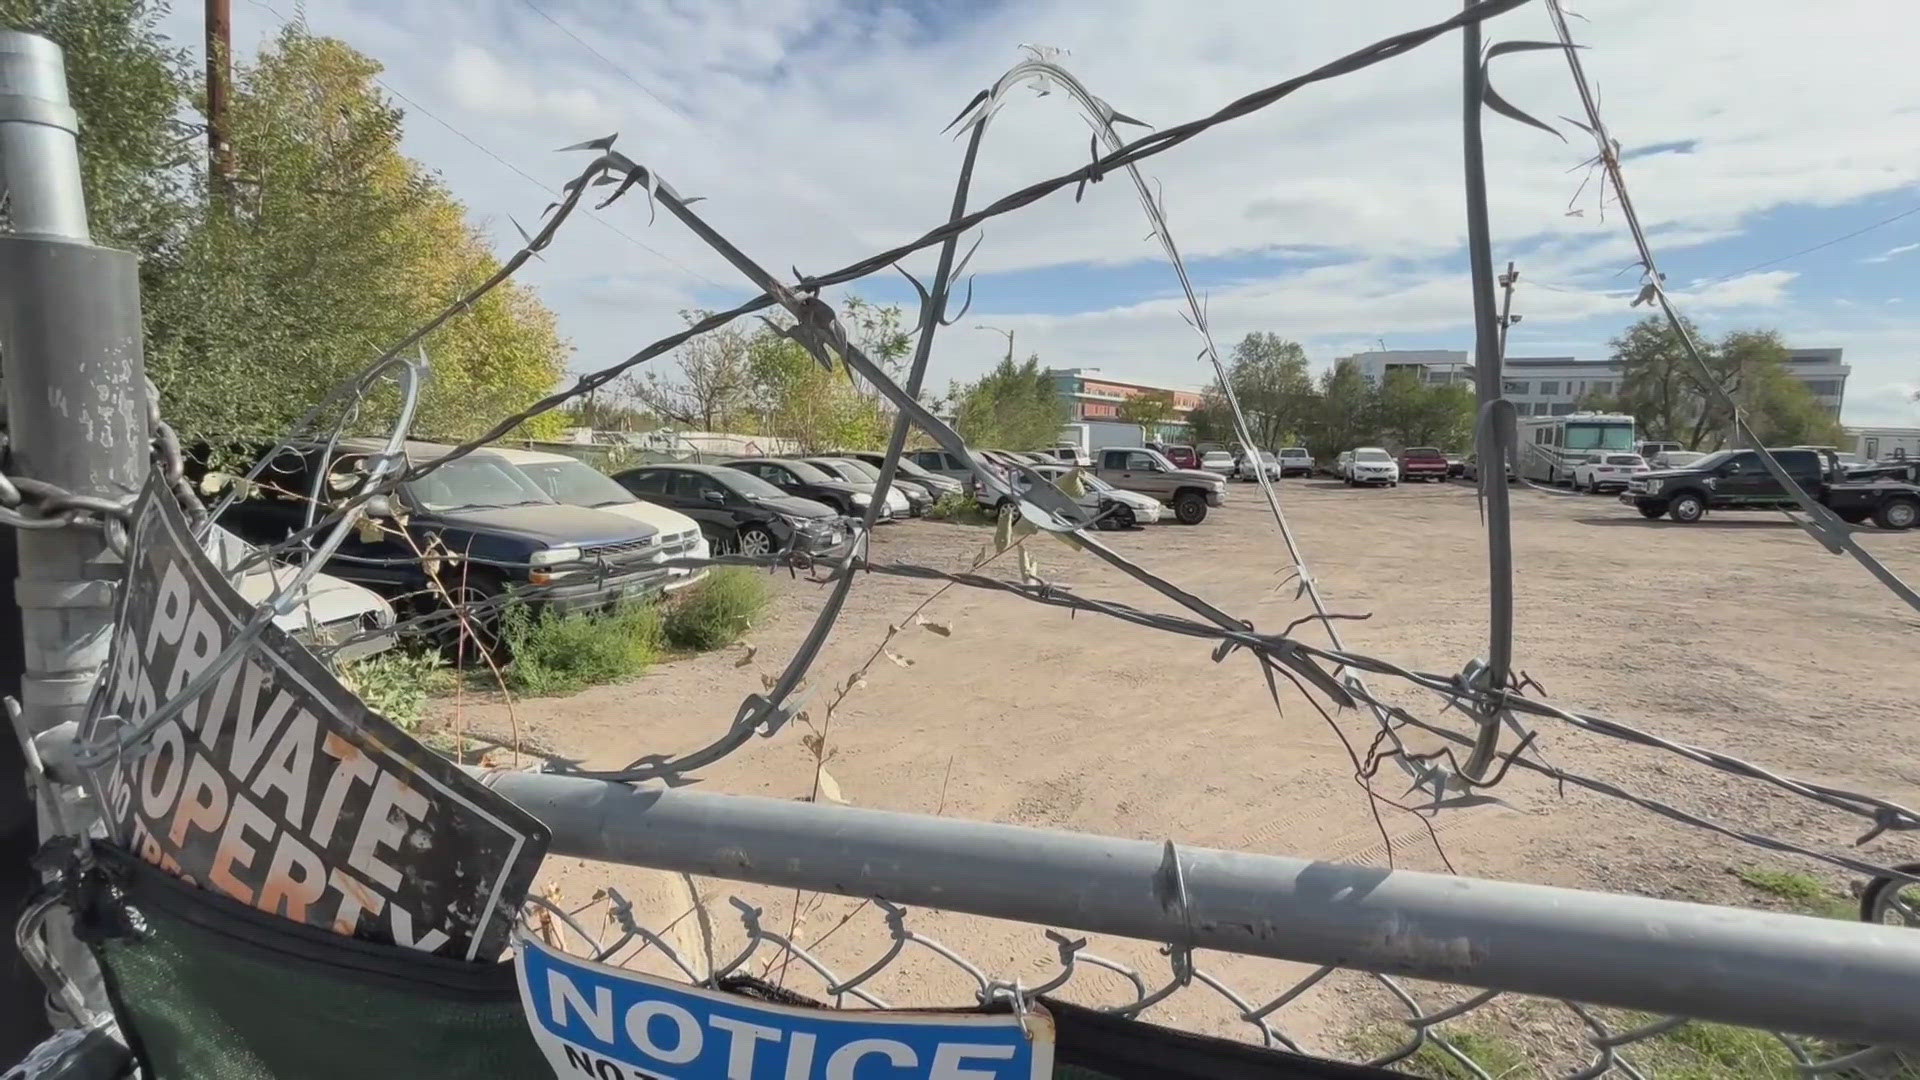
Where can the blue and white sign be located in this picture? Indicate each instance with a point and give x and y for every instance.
(601, 1022)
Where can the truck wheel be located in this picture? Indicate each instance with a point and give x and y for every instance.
(1190, 508)
(1687, 508)
(1651, 510)
(757, 540)
(1881, 902)
(1897, 514)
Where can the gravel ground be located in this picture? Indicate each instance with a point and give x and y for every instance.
(1738, 633)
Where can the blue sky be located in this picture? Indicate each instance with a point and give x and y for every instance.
(1334, 217)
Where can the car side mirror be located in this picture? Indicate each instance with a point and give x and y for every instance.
(713, 497)
(379, 506)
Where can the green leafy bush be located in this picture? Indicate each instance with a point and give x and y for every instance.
(397, 683)
(959, 507)
(717, 611)
(562, 654)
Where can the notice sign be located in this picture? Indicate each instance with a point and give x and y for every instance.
(595, 1021)
(278, 787)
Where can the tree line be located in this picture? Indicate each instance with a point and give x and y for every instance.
(317, 248)
(1659, 386)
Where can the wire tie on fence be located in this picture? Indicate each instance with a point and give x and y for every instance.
(1173, 884)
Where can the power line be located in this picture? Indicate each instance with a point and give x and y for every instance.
(605, 59)
(529, 177)
(1909, 212)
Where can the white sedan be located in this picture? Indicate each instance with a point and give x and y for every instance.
(1603, 471)
(1217, 461)
(1110, 506)
(1372, 465)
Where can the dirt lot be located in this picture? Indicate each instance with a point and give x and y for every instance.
(1738, 633)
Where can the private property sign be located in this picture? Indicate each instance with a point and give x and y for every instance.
(609, 1024)
(278, 787)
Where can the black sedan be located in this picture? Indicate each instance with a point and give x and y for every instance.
(803, 481)
(739, 511)
(935, 483)
(919, 497)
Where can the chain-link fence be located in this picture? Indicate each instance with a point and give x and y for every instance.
(1522, 969)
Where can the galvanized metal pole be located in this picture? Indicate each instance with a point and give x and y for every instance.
(1818, 977)
(1821, 977)
(1491, 442)
(70, 358)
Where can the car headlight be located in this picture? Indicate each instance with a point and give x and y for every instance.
(861, 498)
(1653, 487)
(554, 556)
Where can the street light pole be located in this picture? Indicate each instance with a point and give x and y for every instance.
(997, 330)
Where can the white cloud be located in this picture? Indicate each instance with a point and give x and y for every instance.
(1890, 253)
(813, 128)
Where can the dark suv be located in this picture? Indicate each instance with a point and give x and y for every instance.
(739, 511)
(1739, 480)
(506, 535)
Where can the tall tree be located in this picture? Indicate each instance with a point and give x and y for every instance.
(798, 399)
(1345, 417)
(1667, 394)
(1150, 410)
(715, 386)
(1413, 412)
(1269, 376)
(1013, 406)
(1659, 385)
(337, 246)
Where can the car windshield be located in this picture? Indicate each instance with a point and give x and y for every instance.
(1624, 459)
(807, 471)
(1371, 455)
(1599, 436)
(1424, 451)
(476, 483)
(908, 468)
(745, 483)
(1293, 452)
(1713, 460)
(859, 470)
(576, 483)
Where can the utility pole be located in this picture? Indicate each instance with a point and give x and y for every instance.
(219, 28)
(1492, 442)
(76, 398)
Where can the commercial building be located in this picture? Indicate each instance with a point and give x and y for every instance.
(1091, 394)
(1553, 385)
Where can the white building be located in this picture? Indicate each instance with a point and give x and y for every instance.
(1552, 385)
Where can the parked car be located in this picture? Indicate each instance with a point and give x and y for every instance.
(738, 511)
(1182, 457)
(936, 483)
(1456, 465)
(940, 463)
(916, 499)
(1070, 454)
(1423, 463)
(1340, 463)
(511, 537)
(1218, 461)
(1372, 465)
(1249, 468)
(575, 483)
(1738, 480)
(1188, 491)
(1650, 449)
(330, 614)
(1470, 469)
(803, 480)
(1295, 459)
(1604, 472)
(1110, 507)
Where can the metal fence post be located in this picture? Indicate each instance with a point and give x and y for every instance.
(71, 361)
